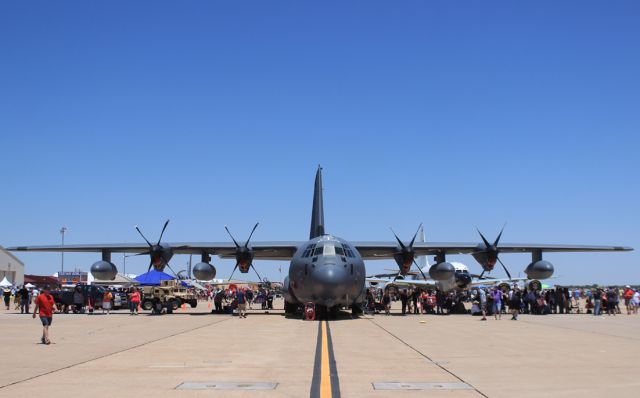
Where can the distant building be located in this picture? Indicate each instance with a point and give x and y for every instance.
(11, 267)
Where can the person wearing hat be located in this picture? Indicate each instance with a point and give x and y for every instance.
(6, 294)
(45, 305)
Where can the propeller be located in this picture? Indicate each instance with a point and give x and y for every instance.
(492, 251)
(156, 251)
(406, 253)
(244, 254)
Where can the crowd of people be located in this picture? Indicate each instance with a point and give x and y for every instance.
(227, 300)
(23, 296)
(485, 301)
(501, 300)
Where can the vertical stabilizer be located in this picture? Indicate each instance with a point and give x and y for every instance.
(317, 212)
(423, 262)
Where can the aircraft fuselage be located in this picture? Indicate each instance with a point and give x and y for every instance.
(326, 271)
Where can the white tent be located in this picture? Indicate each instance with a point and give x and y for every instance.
(5, 283)
(29, 285)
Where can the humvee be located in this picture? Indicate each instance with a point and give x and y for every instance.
(170, 295)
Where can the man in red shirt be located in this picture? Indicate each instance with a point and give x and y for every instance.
(45, 305)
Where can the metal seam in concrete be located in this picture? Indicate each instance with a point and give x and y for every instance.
(431, 360)
(111, 353)
(411, 386)
(239, 386)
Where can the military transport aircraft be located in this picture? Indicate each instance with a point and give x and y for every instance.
(325, 270)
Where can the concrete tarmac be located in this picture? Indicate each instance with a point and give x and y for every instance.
(375, 356)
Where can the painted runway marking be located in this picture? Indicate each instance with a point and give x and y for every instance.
(325, 383)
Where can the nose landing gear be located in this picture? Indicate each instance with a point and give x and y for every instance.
(309, 312)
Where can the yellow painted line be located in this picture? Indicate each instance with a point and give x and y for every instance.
(325, 374)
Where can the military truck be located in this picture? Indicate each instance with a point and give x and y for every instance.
(170, 296)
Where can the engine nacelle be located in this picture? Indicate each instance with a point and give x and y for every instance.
(463, 280)
(535, 285)
(204, 271)
(442, 271)
(504, 286)
(104, 270)
(539, 270)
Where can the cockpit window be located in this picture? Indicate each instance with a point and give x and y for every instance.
(329, 250)
(308, 250)
(348, 251)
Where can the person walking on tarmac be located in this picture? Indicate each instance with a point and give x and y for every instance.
(514, 304)
(217, 300)
(241, 299)
(7, 297)
(497, 303)
(45, 305)
(414, 297)
(386, 302)
(404, 298)
(134, 300)
(24, 300)
(106, 301)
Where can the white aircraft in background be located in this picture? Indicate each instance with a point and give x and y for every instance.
(461, 278)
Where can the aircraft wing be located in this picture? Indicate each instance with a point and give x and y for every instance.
(383, 250)
(284, 250)
(262, 250)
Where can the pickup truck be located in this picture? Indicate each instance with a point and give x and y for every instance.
(64, 298)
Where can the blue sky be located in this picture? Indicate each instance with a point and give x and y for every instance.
(212, 113)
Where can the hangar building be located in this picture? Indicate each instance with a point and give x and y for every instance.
(11, 267)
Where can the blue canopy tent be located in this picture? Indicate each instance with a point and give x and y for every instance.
(153, 278)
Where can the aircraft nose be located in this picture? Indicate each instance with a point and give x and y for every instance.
(330, 282)
(463, 280)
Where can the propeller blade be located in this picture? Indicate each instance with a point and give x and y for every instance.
(232, 238)
(162, 233)
(419, 269)
(415, 235)
(250, 235)
(256, 271)
(174, 272)
(486, 242)
(482, 273)
(398, 239)
(234, 270)
(150, 265)
(499, 235)
(141, 234)
(505, 268)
